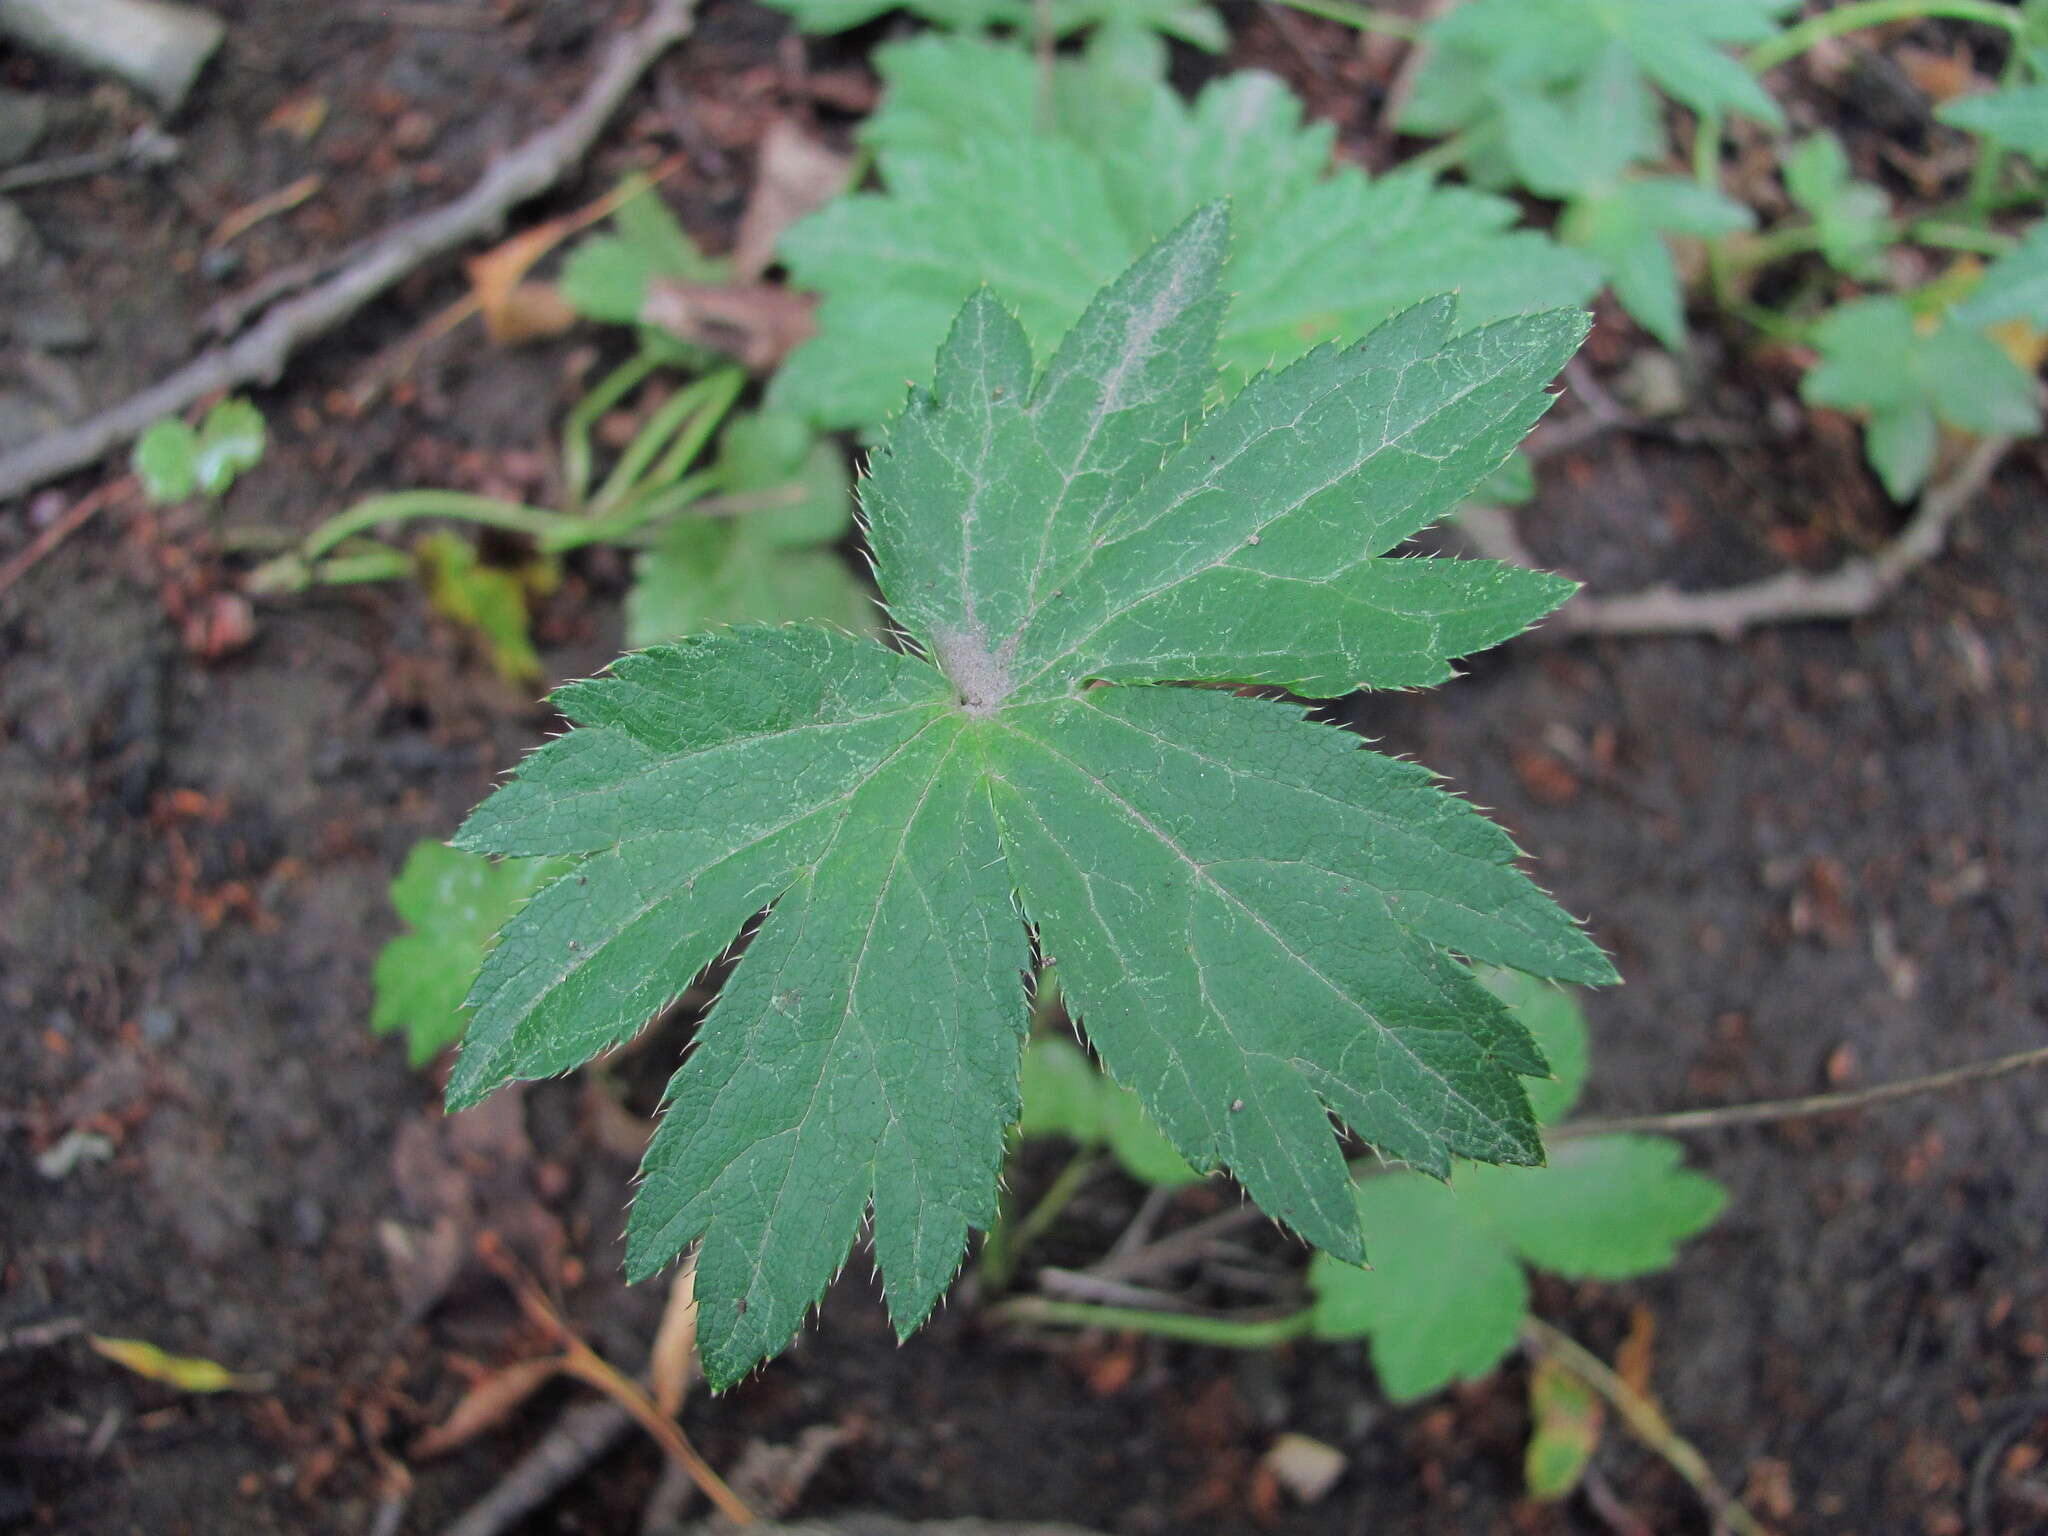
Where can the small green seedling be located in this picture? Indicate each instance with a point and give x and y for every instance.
(1579, 147)
(1911, 369)
(976, 191)
(749, 535)
(1852, 220)
(176, 462)
(1258, 921)
(1447, 1297)
(453, 903)
(1488, 62)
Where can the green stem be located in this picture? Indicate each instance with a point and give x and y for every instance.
(624, 521)
(1961, 237)
(721, 389)
(404, 505)
(615, 386)
(1218, 1332)
(1757, 250)
(1795, 40)
(1445, 153)
(648, 445)
(1360, 16)
(1011, 1240)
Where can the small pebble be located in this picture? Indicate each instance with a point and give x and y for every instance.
(159, 1025)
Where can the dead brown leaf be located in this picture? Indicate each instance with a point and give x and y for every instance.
(484, 1407)
(794, 176)
(516, 310)
(756, 324)
(673, 1361)
(1632, 1361)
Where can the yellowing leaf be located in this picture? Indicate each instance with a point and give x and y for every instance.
(1565, 1420)
(187, 1373)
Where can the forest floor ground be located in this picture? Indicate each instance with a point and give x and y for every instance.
(1820, 856)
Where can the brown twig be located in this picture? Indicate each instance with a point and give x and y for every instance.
(581, 1437)
(259, 354)
(1644, 1420)
(1804, 1108)
(1854, 588)
(586, 1365)
(75, 517)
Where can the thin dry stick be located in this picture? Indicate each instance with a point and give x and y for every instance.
(1852, 589)
(260, 353)
(586, 1365)
(1644, 1420)
(1812, 1104)
(75, 517)
(580, 1437)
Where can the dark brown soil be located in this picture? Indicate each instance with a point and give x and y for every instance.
(1820, 856)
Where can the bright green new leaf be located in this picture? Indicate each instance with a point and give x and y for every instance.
(976, 194)
(166, 458)
(768, 557)
(1259, 923)
(1065, 1096)
(231, 440)
(174, 461)
(2016, 117)
(1851, 219)
(2015, 287)
(1624, 229)
(1909, 374)
(452, 903)
(606, 277)
(1445, 1297)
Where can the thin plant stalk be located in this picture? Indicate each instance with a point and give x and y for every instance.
(1189, 1328)
(1843, 19)
(610, 390)
(1010, 1240)
(655, 437)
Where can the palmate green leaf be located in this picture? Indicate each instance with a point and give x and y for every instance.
(2016, 117)
(976, 194)
(1910, 374)
(1484, 56)
(1446, 1295)
(1063, 1095)
(1851, 219)
(452, 904)
(1258, 923)
(2015, 287)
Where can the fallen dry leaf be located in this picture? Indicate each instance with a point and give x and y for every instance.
(672, 1363)
(794, 176)
(1307, 1468)
(187, 1373)
(515, 310)
(756, 324)
(485, 1406)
